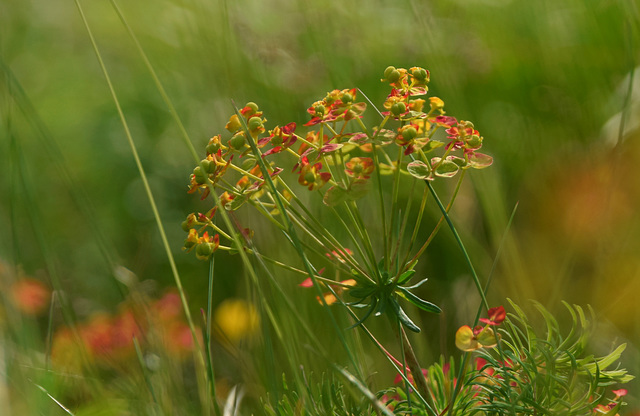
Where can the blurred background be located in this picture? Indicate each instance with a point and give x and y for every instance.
(548, 84)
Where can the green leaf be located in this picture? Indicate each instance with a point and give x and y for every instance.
(359, 188)
(418, 169)
(335, 196)
(366, 315)
(384, 137)
(457, 160)
(419, 302)
(480, 161)
(603, 362)
(361, 292)
(445, 168)
(406, 321)
(406, 276)
(382, 306)
(431, 145)
(420, 283)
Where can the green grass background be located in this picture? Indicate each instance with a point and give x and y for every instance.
(545, 82)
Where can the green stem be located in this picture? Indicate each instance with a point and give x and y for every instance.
(143, 176)
(403, 226)
(207, 338)
(394, 196)
(291, 232)
(383, 218)
(476, 279)
(440, 221)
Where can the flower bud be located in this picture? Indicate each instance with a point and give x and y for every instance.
(388, 71)
(346, 98)
(189, 222)
(191, 240)
(416, 105)
(436, 103)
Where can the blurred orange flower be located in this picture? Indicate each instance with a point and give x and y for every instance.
(30, 296)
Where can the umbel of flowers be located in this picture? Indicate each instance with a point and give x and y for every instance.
(337, 155)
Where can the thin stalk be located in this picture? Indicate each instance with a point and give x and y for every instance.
(403, 358)
(373, 269)
(394, 195)
(416, 227)
(331, 240)
(207, 337)
(476, 279)
(294, 237)
(394, 362)
(65, 409)
(145, 373)
(495, 260)
(321, 230)
(403, 225)
(383, 218)
(143, 176)
(440, 221)
(187, 142)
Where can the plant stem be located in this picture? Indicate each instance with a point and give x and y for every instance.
(476, 280)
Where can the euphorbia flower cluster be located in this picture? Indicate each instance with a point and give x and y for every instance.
(338, 155)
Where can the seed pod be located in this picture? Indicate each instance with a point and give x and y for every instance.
(391, 74)
(255, 123)
(346, 98)
(204, 250)
(409, 133)
(237, 141)
(253, 106)
(398, 108)
(199, 176)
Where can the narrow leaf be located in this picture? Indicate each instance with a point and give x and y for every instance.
(406, 321)
(419, 302)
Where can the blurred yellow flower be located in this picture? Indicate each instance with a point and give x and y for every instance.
(236, 319)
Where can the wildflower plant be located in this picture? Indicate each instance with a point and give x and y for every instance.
(349, 162)
(343, 159)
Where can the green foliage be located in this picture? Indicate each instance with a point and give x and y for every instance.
(329, 396)
(544, 372)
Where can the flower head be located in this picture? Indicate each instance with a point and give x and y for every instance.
(359, 167)
(310, 175)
